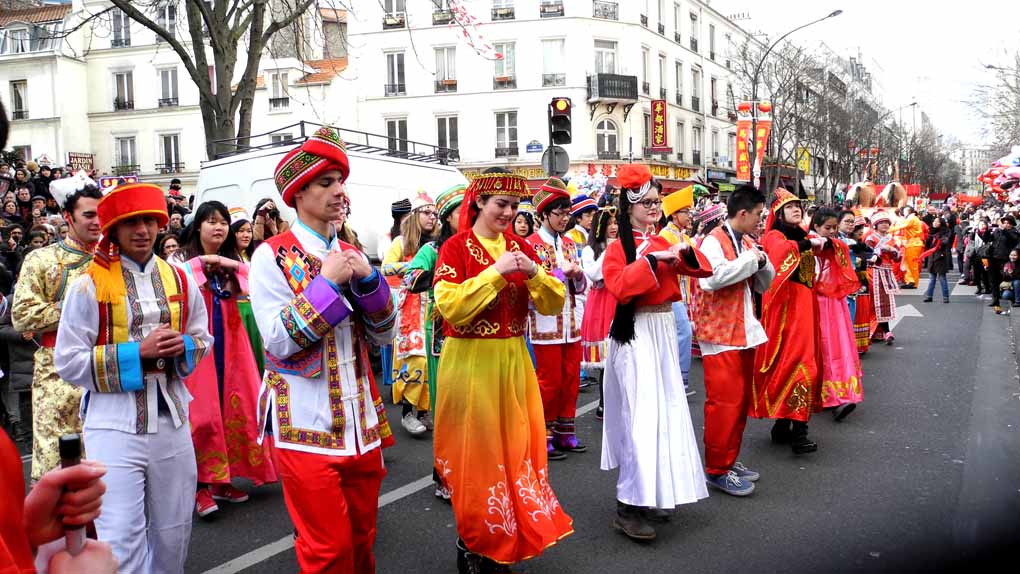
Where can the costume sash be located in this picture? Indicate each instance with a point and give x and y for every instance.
(113, 317)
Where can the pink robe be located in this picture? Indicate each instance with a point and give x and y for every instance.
(225, 432)
(841, 366)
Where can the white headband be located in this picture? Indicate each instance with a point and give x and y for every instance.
(635, 196)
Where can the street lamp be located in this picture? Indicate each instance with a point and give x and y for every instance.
(754, 90)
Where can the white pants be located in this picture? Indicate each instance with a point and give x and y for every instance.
(150, 495)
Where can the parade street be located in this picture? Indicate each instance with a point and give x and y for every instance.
(923, 472)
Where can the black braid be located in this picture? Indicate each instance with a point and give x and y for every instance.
(622, 329)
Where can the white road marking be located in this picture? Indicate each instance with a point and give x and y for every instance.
(266, 552)
(902, 312)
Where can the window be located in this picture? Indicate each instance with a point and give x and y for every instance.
(506, 134)
(22, 152)
(645, 85)
(647, 131)
(396, 131)
(694, 31)
(18, 41)
(605, 57)
(731, 148)
(679, 83)
(394, 6)
(677, 21)
(661, 15)
(124, 154)
(125, 90)
(662, 76)
(446, 63)
(446, 130)
(395, 85)
(121, 29)
(280, 138)
(170, 152)
(19, 100)
(553, 65)
(505, 64)
(167, 19)
(696, 145)
(715, 146)
(279, 98)
(502, 9)
(168, 83)
(713, 83)
(607, 140)
(711, 41)
(696, 89)
(394, 16)
(681, 141)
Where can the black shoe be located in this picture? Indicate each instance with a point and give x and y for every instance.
(946, 300)
(799, 442)
(979, 292)
(468, 562)
(600, 413)
(659, 515)
(632, 522)
(556, 455)
(781, 433)
(926, 300)
(843, 411)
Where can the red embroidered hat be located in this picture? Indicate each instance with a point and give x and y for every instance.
(551, 190)
(322, 152)
(130, 200)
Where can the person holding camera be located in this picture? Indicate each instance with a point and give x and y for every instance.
(267, 220)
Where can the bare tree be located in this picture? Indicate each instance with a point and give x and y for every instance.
(998, 104)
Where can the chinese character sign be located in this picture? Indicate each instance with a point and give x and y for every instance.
(659, 138)
(761, 134)
(743, 137)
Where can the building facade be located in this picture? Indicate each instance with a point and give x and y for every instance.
(477, 78)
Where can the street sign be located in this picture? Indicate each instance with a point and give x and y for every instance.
(555, 161)
(534, 146)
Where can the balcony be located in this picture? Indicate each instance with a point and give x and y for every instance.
(446, 86)
(19, 115)
(504, 83)
(446, 155)
(696, 159)
(119, 104)
(679, 157)
(696, 103)
(394, 21)
(120, 42)
(279, 103)
(507, 151)
(125, 169)
(166, 168)
(612, 88)
(694, 44)
(551, 9)
(505, 13)
(549, 80)
(167, 102)
(394, 90)
(609, 155)
(646, 88)
(662, 29)
(679, 98)
(650, 153)
(440, 17)
(662, 93)
(676, 37)
(605, 10)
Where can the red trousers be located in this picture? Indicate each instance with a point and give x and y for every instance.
(333, 502)
(558, 368)
(728, 379)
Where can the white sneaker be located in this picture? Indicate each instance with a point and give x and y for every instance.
(412, 424)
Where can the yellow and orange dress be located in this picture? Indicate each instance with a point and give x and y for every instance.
(490, 443)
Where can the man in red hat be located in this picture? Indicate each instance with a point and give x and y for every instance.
(557, 338)
(132, 328)
(318, 304)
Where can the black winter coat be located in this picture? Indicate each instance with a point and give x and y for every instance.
(1004, 241)
(21, 354)
(940, 261)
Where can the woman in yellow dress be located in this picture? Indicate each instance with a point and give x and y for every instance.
(490, 443)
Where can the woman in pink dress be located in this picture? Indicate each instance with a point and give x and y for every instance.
(601, 305)
(835, 279)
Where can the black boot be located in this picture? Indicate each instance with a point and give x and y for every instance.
(799, 442)
(468, 562)
(631, 521)
(781, 431)
(600, 411)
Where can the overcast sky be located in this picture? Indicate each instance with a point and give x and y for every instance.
(932, 51)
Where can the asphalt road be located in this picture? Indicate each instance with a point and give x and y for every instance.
(925, 475)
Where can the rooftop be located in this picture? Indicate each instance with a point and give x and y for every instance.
(40, 15)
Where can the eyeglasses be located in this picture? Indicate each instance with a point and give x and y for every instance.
(650, 203)
(560, 213)
(684, 212)
(429, 213)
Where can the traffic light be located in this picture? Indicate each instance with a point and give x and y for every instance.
(559, 120)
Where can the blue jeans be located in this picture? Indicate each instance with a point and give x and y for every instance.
(941, 277)
(684, 337)
(1013, 293)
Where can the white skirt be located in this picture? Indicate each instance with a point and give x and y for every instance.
(647, 430)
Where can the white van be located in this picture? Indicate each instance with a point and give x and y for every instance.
(379, 176)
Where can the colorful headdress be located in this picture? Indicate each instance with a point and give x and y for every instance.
(526, 207)
(783, 197)
(879, 216)
(448, 200)
(581, 203)
(606, 214)
(238, 214)
(421, 200)
(61, 189)
(124, 202)
(636, 179)
(711, 213)
(680, 199)
(322, 152)
(551, 190)
(859, 221)
(400, 207)
(491, 184)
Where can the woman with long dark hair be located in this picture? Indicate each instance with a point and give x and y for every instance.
(223, 412)
(647, 432)
(600, 306)
(939, 252)
(490, 440)
(244, 234)
(524, 221)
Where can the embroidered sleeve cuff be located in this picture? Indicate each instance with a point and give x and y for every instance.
(324, 298)
(371, 293)
(117, 368)
(194, 352)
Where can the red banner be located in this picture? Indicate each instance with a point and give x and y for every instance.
(743, 137)
(761, 139)
(660, 140)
